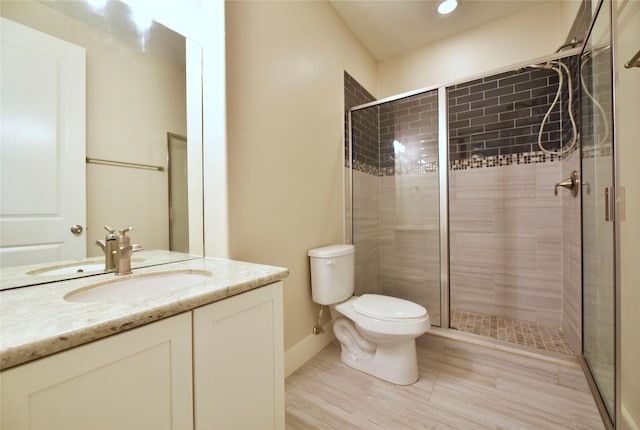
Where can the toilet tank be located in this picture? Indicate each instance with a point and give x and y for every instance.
(332, 273)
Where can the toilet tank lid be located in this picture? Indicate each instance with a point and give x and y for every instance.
(332, 251)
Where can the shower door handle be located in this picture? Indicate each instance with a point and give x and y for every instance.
(608, 203)
(614, 203)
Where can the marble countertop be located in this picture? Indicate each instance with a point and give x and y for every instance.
(36, 321)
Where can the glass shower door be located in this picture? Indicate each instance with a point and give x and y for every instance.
(598, 257)
(395, 198)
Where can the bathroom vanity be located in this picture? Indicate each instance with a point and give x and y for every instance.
(207, 355)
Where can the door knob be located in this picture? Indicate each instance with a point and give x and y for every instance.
(76, 229)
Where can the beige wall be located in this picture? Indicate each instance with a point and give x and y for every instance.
(285, 63)
(627, 87)
(530, 34)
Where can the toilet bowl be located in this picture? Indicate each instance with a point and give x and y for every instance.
(376, 333)
(377, 336)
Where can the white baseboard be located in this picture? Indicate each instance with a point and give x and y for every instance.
(304, 350)
(627, 420)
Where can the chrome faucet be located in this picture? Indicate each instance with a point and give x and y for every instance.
(117, 251)
(109, 246)
(124, 250)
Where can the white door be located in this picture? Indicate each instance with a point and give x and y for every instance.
(42, 147)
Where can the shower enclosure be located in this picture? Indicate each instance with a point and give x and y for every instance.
(453, 201)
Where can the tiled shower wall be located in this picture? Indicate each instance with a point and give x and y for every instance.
(505, 235)
(409, 201)
(397, 238)
(496, 120)
(365, 126)
(365, 189)
(410, 239)
(506, 225)
(500, 115)
(571, 259)
(411, 122)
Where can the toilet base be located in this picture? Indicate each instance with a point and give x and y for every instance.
(394, 362)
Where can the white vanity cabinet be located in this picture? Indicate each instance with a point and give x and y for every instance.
(239, 362)
(139, 379)
(219, 366)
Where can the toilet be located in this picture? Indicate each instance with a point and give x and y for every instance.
(376, 333)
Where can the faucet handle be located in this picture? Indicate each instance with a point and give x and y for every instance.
(124, 231)
(123, 239)
(109, 229)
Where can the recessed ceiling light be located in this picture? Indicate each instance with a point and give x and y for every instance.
(447, 6)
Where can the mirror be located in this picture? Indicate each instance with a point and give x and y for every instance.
(88, 119)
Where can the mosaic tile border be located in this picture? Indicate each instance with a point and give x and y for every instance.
(504, 160)
(363, 167)
(360, 166)
(479, 163)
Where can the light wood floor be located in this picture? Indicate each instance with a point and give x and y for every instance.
(462, 386)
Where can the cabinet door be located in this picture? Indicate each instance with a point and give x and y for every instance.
(238, 362)
(139, 379)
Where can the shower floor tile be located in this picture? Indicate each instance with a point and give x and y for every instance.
(512, 331)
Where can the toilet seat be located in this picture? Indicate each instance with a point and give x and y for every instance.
(387, 308)
(397, 326)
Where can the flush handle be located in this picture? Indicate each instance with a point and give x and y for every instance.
(331, 262)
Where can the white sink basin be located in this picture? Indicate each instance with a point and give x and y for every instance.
(136, 286)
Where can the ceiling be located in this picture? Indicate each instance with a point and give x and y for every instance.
(390, 27)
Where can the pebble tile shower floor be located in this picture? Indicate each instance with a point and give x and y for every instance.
(512, 331)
